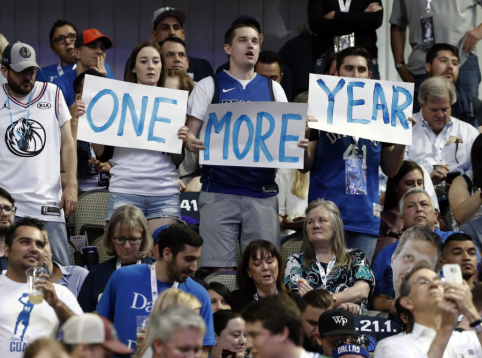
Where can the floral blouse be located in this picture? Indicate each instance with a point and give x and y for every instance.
(337, 280)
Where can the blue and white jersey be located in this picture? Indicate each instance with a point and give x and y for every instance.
(360, 211)
(248, 181)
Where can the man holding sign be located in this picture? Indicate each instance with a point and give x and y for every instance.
(235, 201)
(344, 169)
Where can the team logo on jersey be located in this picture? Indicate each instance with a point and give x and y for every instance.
(44, 105)
(4, 106)
(25, 138)
(25, 52)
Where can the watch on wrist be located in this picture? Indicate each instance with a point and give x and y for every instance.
(393, 234)
(400, 64)
(476, 323)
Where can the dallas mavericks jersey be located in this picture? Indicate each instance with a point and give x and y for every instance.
(30, 150)
(360, 209)
(253, 182)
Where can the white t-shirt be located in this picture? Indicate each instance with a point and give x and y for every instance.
(30, 167)
(143, 172)
(203, 93)
(22, 322)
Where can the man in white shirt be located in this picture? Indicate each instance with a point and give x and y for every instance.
(435, 307)
(21, 321)
(440, 143)
(274, 329)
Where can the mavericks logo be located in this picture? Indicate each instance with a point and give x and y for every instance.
(25, 138)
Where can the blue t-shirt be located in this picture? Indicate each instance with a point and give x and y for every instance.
(66, 83)
(128, 295)
(248, 181)
(360, 212)
(382, 267)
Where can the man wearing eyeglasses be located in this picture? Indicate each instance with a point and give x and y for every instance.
(7, 214)
(435, 307)
(36, 129)
(62, 37)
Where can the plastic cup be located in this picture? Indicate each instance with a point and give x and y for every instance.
(35, 296)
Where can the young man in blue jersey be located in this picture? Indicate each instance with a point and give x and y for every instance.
(235, 202)
(330, 158)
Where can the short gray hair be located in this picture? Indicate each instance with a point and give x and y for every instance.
(421, 233)
(436, 88)
(163, 324)
(414, 191)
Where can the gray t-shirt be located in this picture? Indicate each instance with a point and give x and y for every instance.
(452, 20)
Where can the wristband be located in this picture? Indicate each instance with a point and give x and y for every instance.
(476, 323)
(393, 234)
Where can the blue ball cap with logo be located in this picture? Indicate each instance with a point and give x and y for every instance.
(353, 349)
(336, 322)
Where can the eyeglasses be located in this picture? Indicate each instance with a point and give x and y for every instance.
(132, 240)
(61, 39)
(360, 340)
(423, 281)
(8, 209)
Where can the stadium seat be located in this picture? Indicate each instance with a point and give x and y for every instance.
(291, 247)
(90, 215)
(103, 256)
(227, 278)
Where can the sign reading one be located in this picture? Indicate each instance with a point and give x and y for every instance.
(376, 110)
(254, 134)
(124, 114)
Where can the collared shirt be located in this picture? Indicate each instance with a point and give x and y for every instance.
(428, 149)
(72, 277)
(417, 344)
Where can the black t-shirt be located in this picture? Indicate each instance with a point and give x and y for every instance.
(96, 281)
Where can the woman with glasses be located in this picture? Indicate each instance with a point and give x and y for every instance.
(127, 238)
(62, 37)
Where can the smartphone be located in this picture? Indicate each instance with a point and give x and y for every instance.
(228, 354)
(451, 176)
(452, 273)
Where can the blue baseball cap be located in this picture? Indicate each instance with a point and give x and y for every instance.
(350, 349)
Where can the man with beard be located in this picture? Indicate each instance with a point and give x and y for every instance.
(7, 214)
(460, 249)
(35, 124)
(133, 290)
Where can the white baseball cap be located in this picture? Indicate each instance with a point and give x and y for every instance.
(19, 56)
(93, 329)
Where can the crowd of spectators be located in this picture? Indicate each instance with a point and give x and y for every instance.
(362, 259)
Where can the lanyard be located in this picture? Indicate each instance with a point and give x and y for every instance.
(22, 143)
(428, 4)
(345, 7)
(324, 275)
(154, 283)
(256, 295)
(118, 264)
(61, 71)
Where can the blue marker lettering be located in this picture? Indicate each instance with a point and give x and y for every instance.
(154, 118)
(113, 115)
(259, 140)
(236, 128)
(331, 96)
(352, 103)
(397, 110)
(138, 125)
(287, 138)
(378, 93)
(218, 126)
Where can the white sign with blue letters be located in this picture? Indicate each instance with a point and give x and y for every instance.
(254, 134)
(131, 115)
(370, 109)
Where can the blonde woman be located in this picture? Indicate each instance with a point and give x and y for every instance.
(293, 199)
(324, 262)
(172, 296)
(128, 239)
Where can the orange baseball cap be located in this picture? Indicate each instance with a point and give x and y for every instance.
(90, 35)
